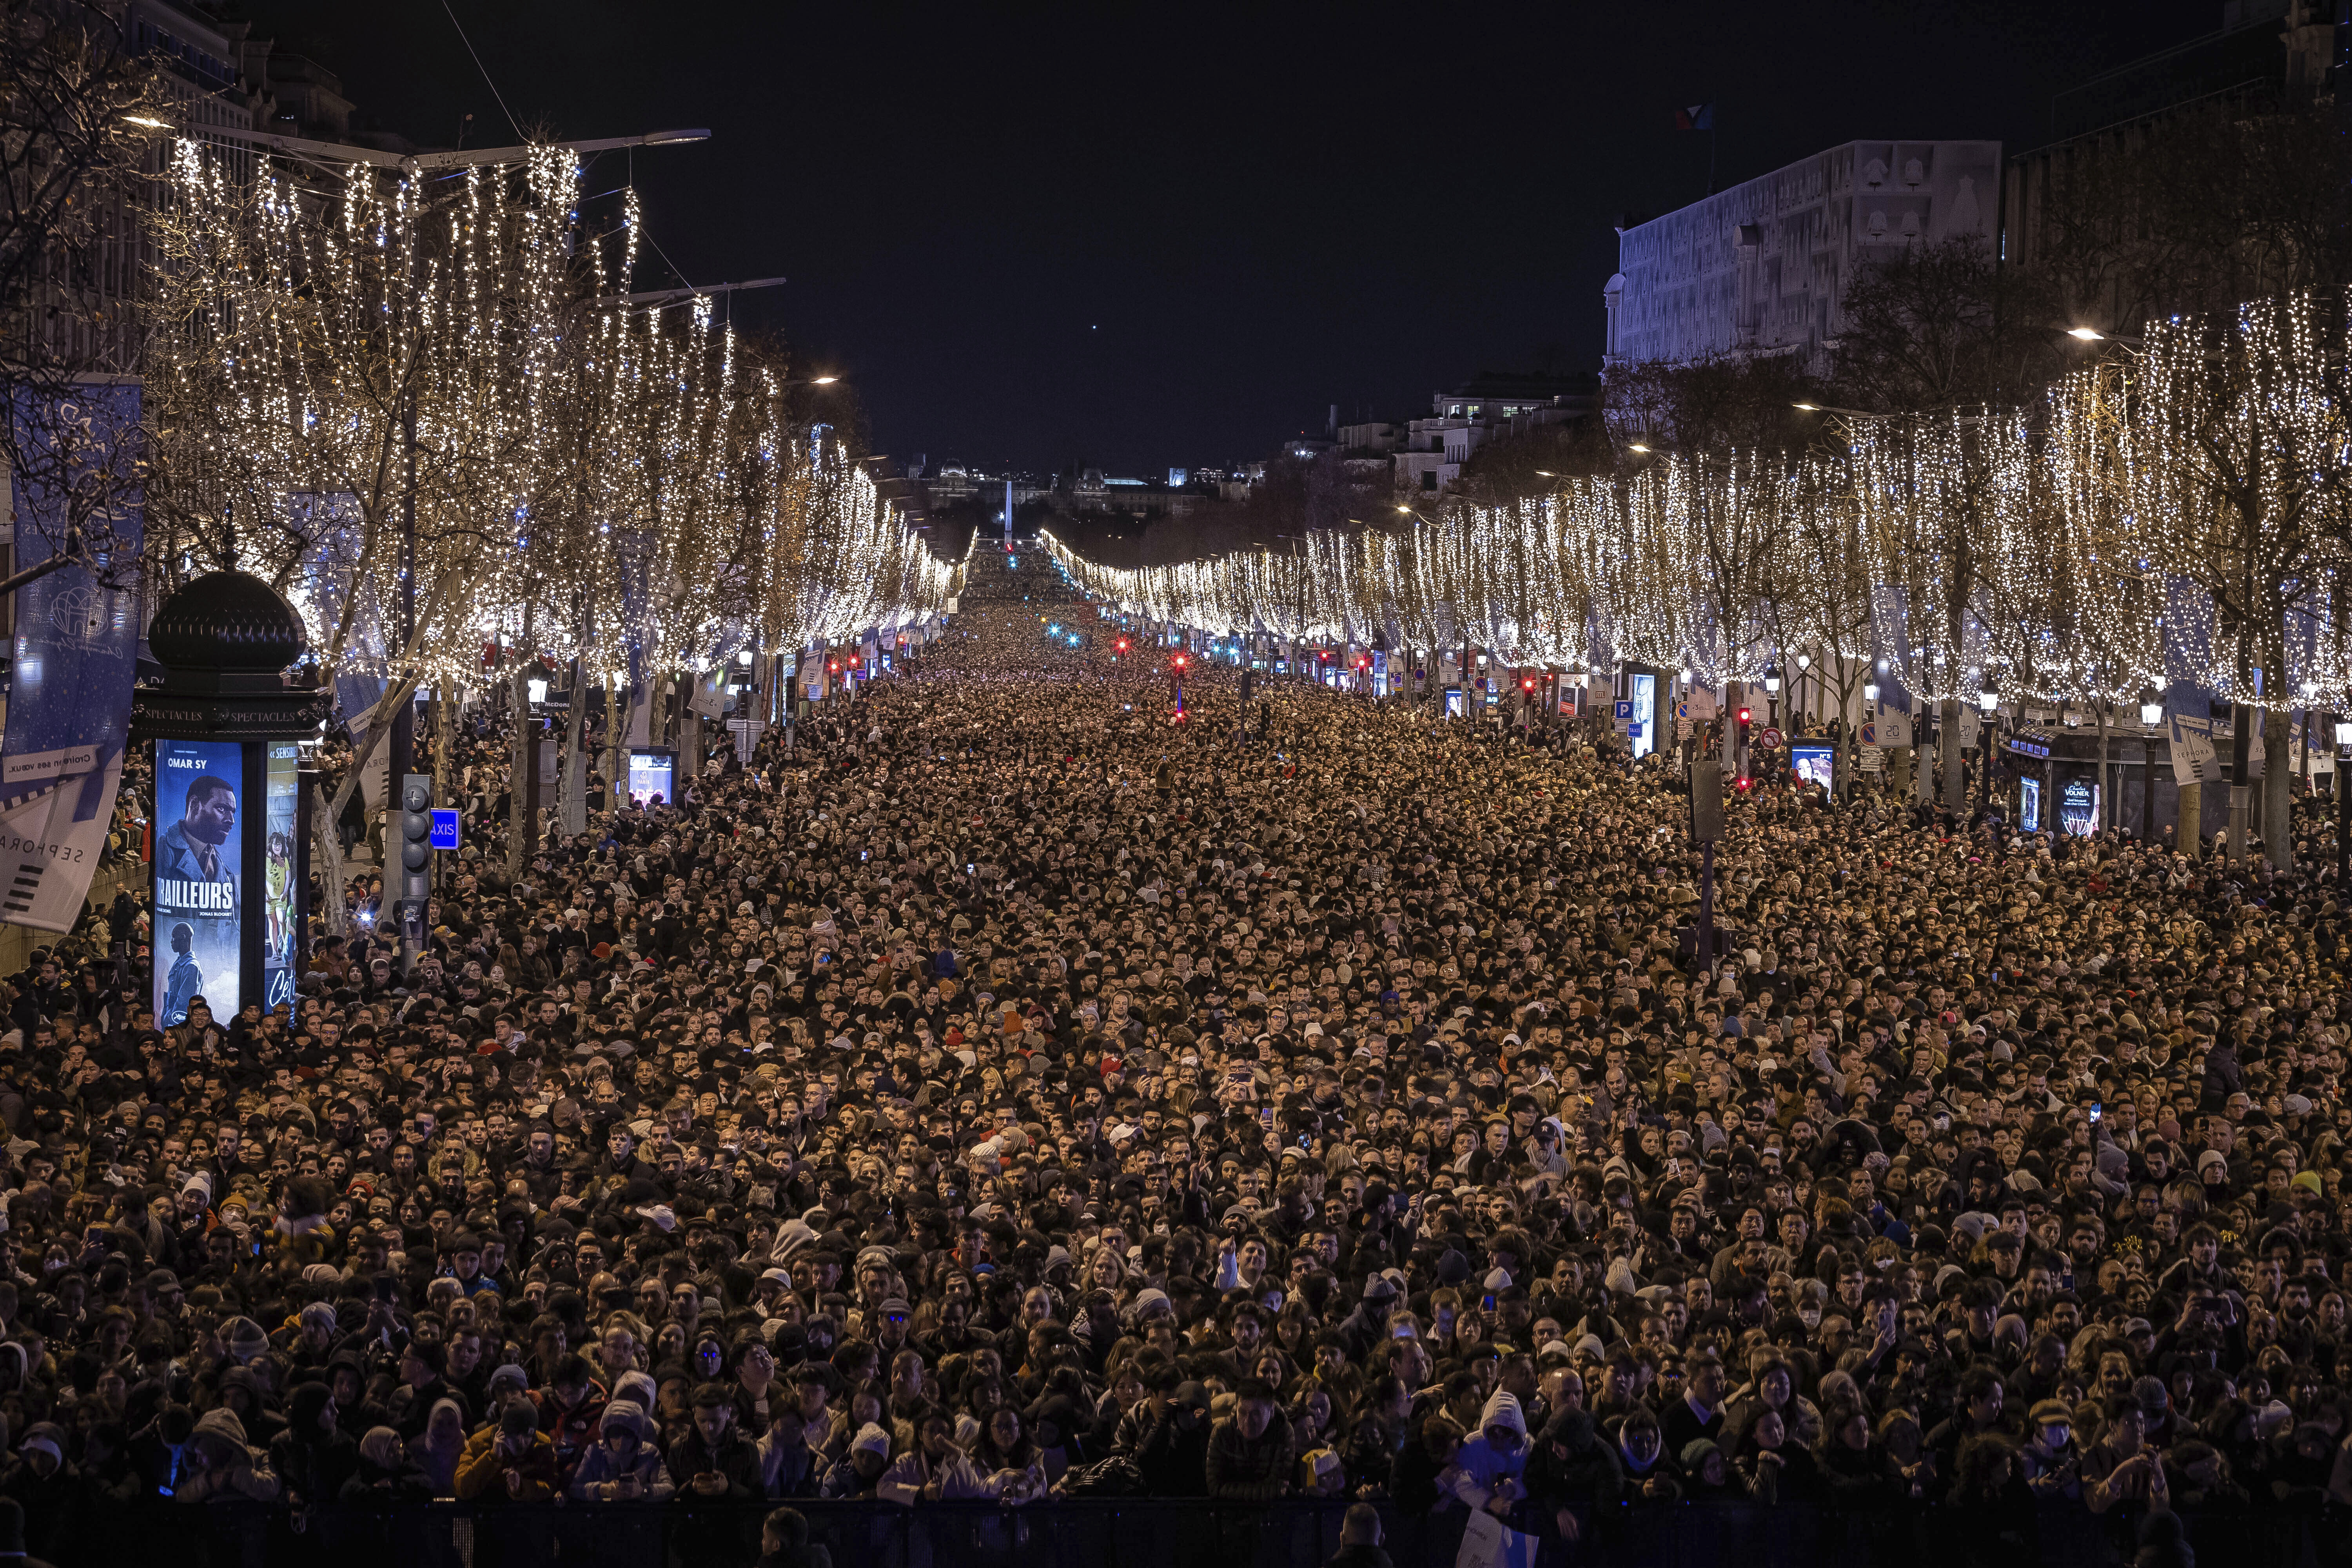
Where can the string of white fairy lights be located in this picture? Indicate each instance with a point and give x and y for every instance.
(2180, 514)
(595, 480)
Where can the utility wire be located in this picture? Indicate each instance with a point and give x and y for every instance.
(485, 70)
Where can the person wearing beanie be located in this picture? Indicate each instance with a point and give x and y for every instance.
(859, 1471)
(624, 1465)
(1706, 1475)
(313, 1457)
(509, 1461)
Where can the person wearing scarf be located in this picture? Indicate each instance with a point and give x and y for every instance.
(1641, 1451)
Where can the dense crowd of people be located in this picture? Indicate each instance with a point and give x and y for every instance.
(1006, 1090)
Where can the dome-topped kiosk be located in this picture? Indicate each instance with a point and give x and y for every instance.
(228, 846)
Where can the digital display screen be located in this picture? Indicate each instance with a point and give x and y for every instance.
(198, 871)
(282, 828)
(653, 778)
(2078, 809)
(1814, 763)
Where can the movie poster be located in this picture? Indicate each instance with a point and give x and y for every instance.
(199, 785)
(281, 828)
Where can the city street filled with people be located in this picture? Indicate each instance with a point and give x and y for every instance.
(1001, 1089)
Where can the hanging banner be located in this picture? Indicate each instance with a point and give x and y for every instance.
(1894, 728)
(2319, 743)
(636, 554)
(1971, 727)
(709, 695)
(2193, 760)
(75, 652)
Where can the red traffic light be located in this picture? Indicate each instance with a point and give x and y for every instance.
(1743, 716)
(1120, 645)
(1527, 683)
(1180, 661)
(1745, 782)
(835, 666)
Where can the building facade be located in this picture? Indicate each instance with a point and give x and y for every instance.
(1762, 267)
(1426, 455)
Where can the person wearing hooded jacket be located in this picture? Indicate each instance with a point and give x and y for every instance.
(1572, 1472)
(51, 1489)
(221, 1466)
(1489, 1468)
(623, 1464)
(385, 1474)
(313, 1457)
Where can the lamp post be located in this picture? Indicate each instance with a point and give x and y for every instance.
(2151, 714)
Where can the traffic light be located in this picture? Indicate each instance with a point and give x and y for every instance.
(415, 856)
(1180, 661)
(1528, 684)
(1120, 646)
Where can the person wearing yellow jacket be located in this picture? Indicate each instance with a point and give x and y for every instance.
(510, 1460)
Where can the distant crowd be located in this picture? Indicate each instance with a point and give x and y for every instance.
(1009, 1091)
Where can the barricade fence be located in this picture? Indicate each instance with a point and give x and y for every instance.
(1136, 1533)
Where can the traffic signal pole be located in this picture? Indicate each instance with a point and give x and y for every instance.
(415, 817)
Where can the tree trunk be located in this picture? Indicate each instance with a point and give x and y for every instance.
(574, 804)
(520, 760)
(2106, 784)
(326, 833)
(1947, 727)
(2187, 835)
(2278, 782)
(615, 722)
(446, 697)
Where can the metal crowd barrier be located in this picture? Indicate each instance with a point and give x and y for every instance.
(1131, 1533)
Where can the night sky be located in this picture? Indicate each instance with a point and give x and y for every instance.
(1176, 236)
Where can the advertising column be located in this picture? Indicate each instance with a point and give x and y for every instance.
(199, 789)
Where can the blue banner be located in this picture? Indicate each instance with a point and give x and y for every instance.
(75, 652)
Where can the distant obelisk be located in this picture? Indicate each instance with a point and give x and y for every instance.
(1008, 514)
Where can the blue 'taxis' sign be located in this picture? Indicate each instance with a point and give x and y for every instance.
(444, 828)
